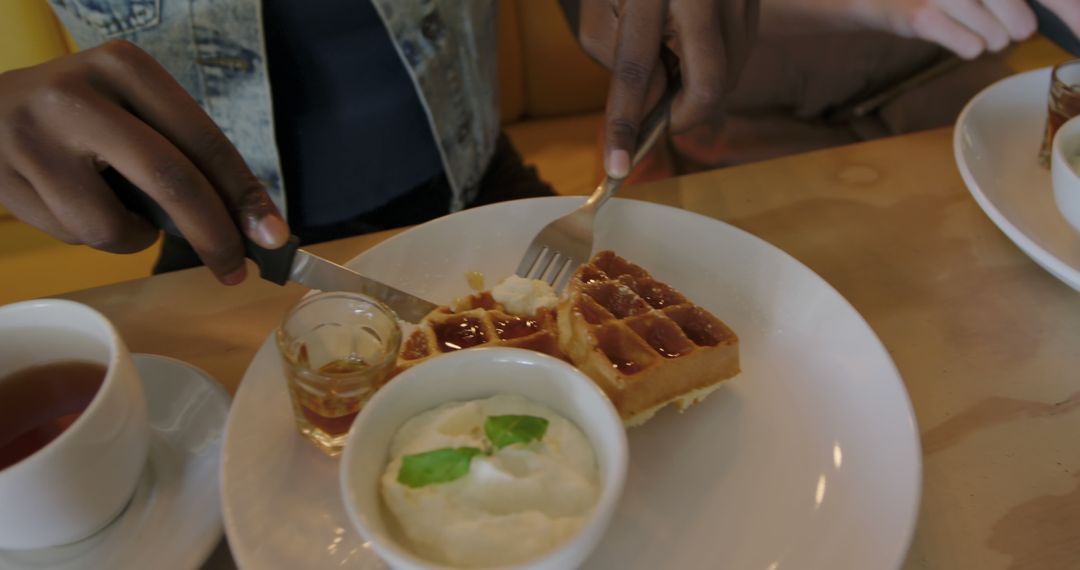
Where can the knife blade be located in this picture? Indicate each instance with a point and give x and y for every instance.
(287, 263)
(315, 272)
(290, 263)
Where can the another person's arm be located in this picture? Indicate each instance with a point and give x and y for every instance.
(969, 28)
(712, 39)
(64, 121)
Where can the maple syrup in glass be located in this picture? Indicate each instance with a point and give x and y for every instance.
(39, 403)
(337, 349)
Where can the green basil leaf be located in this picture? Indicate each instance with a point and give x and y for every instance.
(437, 466)
(508, 430)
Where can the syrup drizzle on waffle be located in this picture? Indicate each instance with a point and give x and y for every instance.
(643, 342)
(477, 320)
(638, 319)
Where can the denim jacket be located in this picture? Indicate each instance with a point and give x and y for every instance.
(215, 49)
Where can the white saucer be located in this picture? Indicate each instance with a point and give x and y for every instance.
(174, 518)
(996, 144)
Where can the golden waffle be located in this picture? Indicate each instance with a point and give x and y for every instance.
(477, 320)
(641, 341)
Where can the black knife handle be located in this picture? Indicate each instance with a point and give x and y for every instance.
(274, 264)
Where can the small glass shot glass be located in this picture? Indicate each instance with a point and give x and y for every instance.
(1063, 105)
(338, 349)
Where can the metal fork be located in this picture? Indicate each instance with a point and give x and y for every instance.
(564, 244)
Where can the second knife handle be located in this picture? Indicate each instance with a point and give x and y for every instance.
(274, 264)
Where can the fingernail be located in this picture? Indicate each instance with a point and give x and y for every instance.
(236, 277)
(618, 163)
(271, 232)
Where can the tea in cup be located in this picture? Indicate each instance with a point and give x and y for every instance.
(74, 434)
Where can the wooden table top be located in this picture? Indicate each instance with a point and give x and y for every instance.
(988, 343)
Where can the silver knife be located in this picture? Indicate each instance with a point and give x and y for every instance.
(287, 263)
(290, 263)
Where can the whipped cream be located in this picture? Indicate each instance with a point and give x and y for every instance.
(524, 297)
(518, 503)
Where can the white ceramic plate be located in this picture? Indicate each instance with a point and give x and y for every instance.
(807, 460)
(174, 518)
(997, 142)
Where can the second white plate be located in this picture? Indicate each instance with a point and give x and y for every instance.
(809, 459)
(996, 143)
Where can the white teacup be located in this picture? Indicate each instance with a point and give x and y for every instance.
(1065, 170)
(81, 480)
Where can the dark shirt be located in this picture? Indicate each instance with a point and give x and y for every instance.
(352, 134)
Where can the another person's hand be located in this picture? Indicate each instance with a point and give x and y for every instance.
(65, 121)
(712, 39)
(967, 27)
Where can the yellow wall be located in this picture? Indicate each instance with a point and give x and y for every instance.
(29, 34)
(33, 264)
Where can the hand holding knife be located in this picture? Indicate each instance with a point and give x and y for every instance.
(287, 263)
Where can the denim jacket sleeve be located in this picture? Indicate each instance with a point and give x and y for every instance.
(215, 50)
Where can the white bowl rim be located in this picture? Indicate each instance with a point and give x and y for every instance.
(610, 492)
(1061, 166)
(1070, 128)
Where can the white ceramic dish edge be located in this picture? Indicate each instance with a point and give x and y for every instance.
(1039, 254)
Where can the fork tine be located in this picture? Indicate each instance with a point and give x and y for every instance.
(571, 265)
(543, 263)
(529, 259)
(557, 265)
(564, 272)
